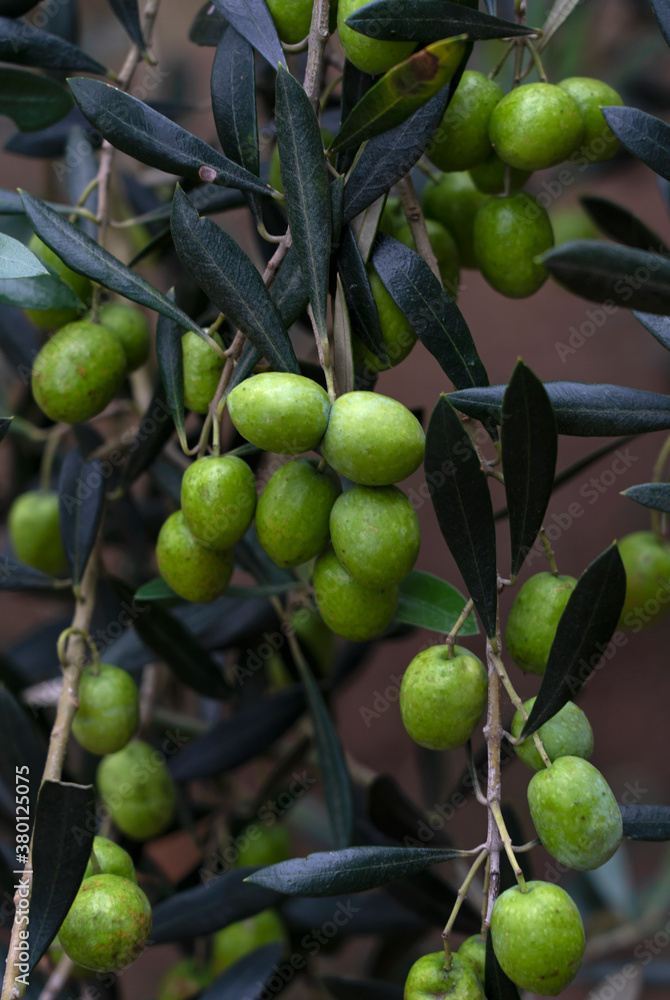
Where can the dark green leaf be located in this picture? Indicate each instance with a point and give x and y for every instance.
(658, 327)
(430, 311)
(336, 780)
(153, 433)
(17, 261)
(401, 92)
(613, 275)
(621, 225)
(151, 138)
(247, 977)
(32, 102)
(362, 308)
(289, 289)
(85, 256)
(171, 364)
(177, 646)
(429, 21)
(208, 26)
(584, 631)
(244, 367)
(644, 136)
(22, 754)
(306, 189)
(581, 409)
(63, 836)
(16, 576)
(396, 816)
(207, 199)
(361, 989)
(497, 985)
(233, 88)
(43, 292)
(646, 822)
(24, 44)
(81, 499)
(220, 901)
(128, 14)
(81, 170)
(653, 495)
(460, 495)
(352, 870)
(388, 157)
(156, 590)
(429, 602)
(247, 733)
(662, 12)
(5, 424)
(529, 443)
(253, 21)
(343, 360)
(159, 590)
(355, 83)
(231, 281)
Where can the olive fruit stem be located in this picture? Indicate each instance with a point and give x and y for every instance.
(297, 46)
(57, 981)
(458, 625)
(501, 62)
(417, 223)
(48, 455)
(63, 639)
(549, 552)
(88, 190)
(534, 61)
(479, 795)
(518, 704)
(460, 898)
(507, 844)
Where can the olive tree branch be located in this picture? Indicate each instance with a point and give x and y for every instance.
(417, 223)
(317, 38)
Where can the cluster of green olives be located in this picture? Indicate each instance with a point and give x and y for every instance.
(364, 540)
(109, 923)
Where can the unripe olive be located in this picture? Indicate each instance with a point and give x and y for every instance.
(534, 617)
(292, 517)
(244, 936)
(109, 709)
(398, 336)
(349, 609)
(566, 734)
(34, 531)
(575, 813)
(373, 439)
(535, 126)
(538, 937)
(370, 55)
(111, 859)
(375, 534)
(461, 140)
(51, 319)
(292, 19)
(473, 950)
(193, 571)
(130, 325)
(599, 142)
(509, 233)
(429, 980)
(646, 560)
(77, 372)
(264, 846)
(489, 175)
(454, 201)
(218, 500)
(137, 788)
(202, 371)
(280, 412)
(442, 699)
(444, 247)
(108, 925)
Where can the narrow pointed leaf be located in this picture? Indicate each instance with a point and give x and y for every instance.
(529, 443)
(15, 576)
(462, 502)
(430, 311)
(658, 327)
(581, 409)
(306, 189)
(147, 136)
(366, 225)
(83, 168)
(153, 433)
(86, 256)
(621, 225)
(646, 822)
(22, 754)
(662, 12)
(615, 275)
(358, 293)
(45, 291)
(584, 631)
(557, 16)
(81, 500)
(355, 83)
(430, 21)
(29, 46)
(653, 495)
(401, 92)
(644, 136)
(17, 261)
(336, 780)
(248, 976)
(220, 901)
(231, 281)
(63, 837)
(208, 26)
(233, 87)
(128, 14)
(389, 156)
(253, 21)
(32, 102)
(289, 289)
(352, 870)
(5, 424)
(171, 364)
(343, 361)
(429, 602)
